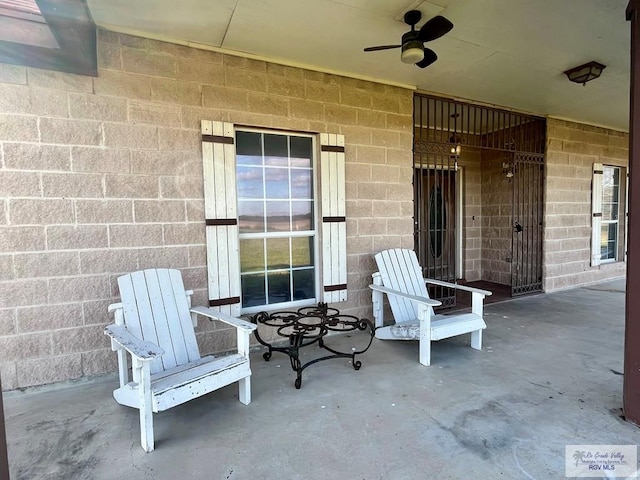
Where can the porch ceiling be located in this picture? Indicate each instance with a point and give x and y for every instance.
(503, 52)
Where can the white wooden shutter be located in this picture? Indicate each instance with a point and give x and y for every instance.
(334, 227)
(596, 214)
(221, 219)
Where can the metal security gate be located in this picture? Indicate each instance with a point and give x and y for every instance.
(528, 184)
(447, 133)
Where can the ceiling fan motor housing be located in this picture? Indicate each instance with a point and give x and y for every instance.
(412, 48)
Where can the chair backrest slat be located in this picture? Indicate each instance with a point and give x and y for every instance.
(156, 310)
(400, 270)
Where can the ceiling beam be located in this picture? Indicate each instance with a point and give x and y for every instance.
(73, 28)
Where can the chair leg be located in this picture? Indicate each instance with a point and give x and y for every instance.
(145, 405)
(476, 340)
(425, 351)
(244, 386)
(424, 314)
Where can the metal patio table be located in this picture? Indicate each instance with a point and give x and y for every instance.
(308, 326)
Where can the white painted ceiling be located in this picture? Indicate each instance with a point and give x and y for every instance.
(510, 53)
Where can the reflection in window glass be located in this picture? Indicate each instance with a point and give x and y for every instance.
(277, 182)
(276, 146)
(301, 184)
(303, 284)
(253, 260)
(250, 216)
(301, 216)
(276, 218)
(250, 182)
(253, 290)
(301, 252)
(279, 287)
(301, 151)
(278, 253)
(248, 143)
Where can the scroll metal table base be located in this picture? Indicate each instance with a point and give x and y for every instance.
(308, 326)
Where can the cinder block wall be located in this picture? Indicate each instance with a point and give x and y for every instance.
(572, 149)
(497, 228)
(102, 176)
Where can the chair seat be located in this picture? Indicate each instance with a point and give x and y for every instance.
(183, 383)
(442, 326)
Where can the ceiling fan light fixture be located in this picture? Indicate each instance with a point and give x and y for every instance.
(412, 51)
(585, 73)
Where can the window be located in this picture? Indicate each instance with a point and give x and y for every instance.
(273, 239)
(610, 213)
(274, 176)
(606, 207)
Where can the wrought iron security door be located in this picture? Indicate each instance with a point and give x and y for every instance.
(527, 214)
(442, 128)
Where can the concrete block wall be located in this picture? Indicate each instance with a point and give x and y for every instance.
(470, 162)
(496, 219)
(102, 176)
(572, 149)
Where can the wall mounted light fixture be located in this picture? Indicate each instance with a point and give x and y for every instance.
(585, 73)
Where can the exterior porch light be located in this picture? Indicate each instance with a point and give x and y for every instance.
(585, 73)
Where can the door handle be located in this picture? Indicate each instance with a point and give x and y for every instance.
(517, 227)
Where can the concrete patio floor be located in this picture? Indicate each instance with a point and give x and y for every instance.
(549, 375)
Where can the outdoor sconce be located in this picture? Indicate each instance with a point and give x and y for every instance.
(507, 169)
(456, 149)
(585, 73)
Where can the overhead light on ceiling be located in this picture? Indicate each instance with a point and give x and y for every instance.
(585, 73)
(412, 52)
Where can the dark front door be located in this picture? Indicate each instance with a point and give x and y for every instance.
(436, 232)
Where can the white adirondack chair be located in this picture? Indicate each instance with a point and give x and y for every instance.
(400, 278)
(154, 323)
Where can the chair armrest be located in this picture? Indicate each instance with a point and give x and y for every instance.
(458, 287)
(132, 344)
(223, 317)
(389, 291)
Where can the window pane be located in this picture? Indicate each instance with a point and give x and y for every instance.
(278, 217)
(608, 241)
(277, 182)
(251, 216)
(248, 143)
(253, 290)
(277, 253)
(252, 255)
(302, 216)
(303, 284)
(276, 146)
(301, 184)
(250, 182)
(301, 151)
(302, 251)
(279, 287)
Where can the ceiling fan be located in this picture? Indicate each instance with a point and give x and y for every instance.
(413, 49)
